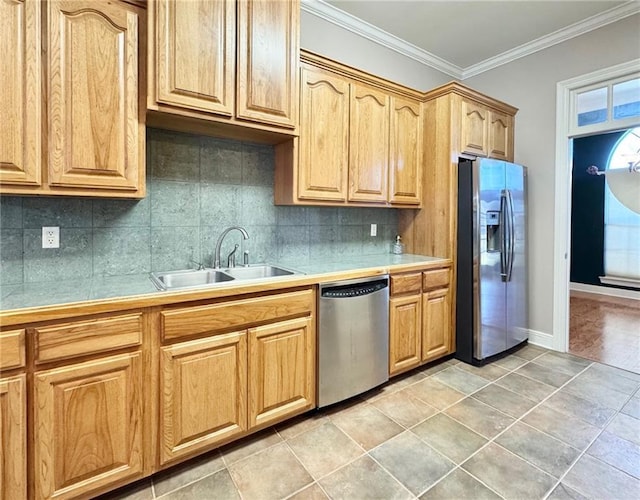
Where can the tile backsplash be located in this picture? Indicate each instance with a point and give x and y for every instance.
(196, 187)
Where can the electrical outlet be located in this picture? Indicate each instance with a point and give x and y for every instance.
(51, 237)
(374, 229)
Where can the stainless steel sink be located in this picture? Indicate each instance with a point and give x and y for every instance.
(189, 278)
(257, 271)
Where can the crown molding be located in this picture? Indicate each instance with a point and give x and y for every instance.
(562, 35)
(366, 30)
(370, 32)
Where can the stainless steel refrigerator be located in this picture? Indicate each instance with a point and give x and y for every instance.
(491, 293)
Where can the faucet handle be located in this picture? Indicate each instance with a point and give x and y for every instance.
(199, 264)
(231, 259)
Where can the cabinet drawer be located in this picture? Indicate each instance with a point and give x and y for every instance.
(92, 336)
(12, 349)
(405, 283)
(235, 314)
(438, 278)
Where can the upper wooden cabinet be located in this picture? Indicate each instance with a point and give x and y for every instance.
(95, 120)
(231, 62)
(360, 141)
(485, 131)
(20, 93)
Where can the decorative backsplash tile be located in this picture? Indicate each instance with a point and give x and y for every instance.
(197, 187)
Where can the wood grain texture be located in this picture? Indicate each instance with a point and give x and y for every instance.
(95, 134)
(405, 152)
(20, 93)
(500, 141)
(281, 370)
(267, 76)
(203, 393)
(474, 137)
(87, 426)
(437, 278)
(12, 349)
(232, 315)
(368, 144)
(436, 324)
(195, 54)
(13, 437)
(322, 167)
(91, 336)
(405, 333)
(405, 283)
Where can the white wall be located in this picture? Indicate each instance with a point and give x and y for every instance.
(530, 84)
(329, 40)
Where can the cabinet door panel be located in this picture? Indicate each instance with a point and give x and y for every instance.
(324, 137)
(204, 385)
(436, 324)
(20, 92)
(405, 320)
(95, 133)
(267, 86)
(405, 168)
(196, 54)
(475, 129)
(87, 425)
(281, 370)
(13, 438)
(500, 135)
(368, 145)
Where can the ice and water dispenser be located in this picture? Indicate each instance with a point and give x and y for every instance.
(493, 230)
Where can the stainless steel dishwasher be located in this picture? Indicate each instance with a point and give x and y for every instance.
(353, 345)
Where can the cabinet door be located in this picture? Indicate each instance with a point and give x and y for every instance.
(405, 168)
(324, 137)
(500, 136)
(20, 92)
(281, 370)
(268, 44)
(96, 137)
(13, 438)
(368, 145)
(405, 330)
(203, 393)
(87, 426)
(195, 54)
(436, 324)
(474, 129)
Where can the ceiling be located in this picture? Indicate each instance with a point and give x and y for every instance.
(464, 38)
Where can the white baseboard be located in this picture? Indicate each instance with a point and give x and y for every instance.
(541, 339)
(605, 290)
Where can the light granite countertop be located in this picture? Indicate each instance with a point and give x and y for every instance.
(140, 291)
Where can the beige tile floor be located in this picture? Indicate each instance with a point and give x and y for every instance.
(533, 425)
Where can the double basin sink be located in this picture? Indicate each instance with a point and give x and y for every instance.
(207, 277)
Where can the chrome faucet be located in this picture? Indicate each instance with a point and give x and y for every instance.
(216, 254)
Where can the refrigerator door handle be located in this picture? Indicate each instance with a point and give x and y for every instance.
(503, 235)
(511, 243)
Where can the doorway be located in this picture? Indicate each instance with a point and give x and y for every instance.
(603, 318)
(574, 97)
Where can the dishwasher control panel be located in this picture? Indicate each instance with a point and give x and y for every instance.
(355, 290)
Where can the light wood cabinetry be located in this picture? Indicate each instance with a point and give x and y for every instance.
(359, 136)
(13, 414)
(20, 93)
(232, 62)
(420, 319)
(204, 387)
(87, 426)
(281, 370)
(253, 365)
(485, 131)
(94, 139)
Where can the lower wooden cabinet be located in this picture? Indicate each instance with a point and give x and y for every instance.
(420, 319)
(13, 437)
(203, 393)
(87, 426)
(281, 370)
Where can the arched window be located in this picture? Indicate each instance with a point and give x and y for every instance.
(622, 213)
